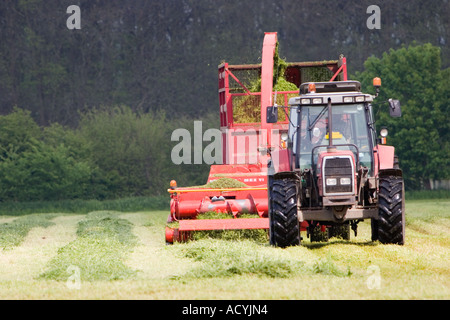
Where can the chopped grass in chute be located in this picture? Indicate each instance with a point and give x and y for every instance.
(223, 183)
(247, 109)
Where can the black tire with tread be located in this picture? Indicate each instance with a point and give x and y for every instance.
(389, 228)
(284, 224)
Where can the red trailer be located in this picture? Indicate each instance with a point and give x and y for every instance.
(246, 146)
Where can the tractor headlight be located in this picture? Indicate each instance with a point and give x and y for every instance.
(384, 132)
(317, 100)
(348, 99)
(305, 101)
(331, 181)
(345, 181)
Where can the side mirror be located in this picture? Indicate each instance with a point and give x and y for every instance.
(395, 110)
(272, 114)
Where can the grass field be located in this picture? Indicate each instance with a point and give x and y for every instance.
(122, 255)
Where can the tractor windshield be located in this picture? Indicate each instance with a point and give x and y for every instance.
(350, 132)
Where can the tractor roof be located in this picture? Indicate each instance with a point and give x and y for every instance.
(339, 92)
(335, 86)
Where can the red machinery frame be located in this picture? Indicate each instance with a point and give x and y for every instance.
(240, 160)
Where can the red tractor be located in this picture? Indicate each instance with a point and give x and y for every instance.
(335, 172)
(279, 187)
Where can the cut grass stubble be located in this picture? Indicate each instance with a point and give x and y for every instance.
(218, 268)
(13, 233)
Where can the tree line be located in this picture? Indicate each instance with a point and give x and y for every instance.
(114, 152)
(415, 76)
(117, 152)
(88, 113)
(152, 55)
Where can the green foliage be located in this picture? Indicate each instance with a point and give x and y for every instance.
(421, 136)
(47, 173)
(131, 151)
(18, 133)
(33, 168)
(427, 194)
(141, 60)
(114, 153)
(120, 152)
(117, 152)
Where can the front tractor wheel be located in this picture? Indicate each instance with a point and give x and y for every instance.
(389, 228)
(284, 224)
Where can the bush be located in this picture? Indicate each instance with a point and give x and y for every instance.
(130, 150)
(114, 153)
(414, 75)
(45, 173)
(18, 133)
(31, 168)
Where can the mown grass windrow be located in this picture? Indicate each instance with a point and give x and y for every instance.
(102, 245)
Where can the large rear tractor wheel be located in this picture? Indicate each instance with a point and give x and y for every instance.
(284, 224)
(389, 228)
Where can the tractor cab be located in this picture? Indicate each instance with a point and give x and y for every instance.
(311, 124)
(339, 172)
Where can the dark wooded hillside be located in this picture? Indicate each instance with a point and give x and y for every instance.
(152, 55)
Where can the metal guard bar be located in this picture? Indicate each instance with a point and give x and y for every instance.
(213, 190)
